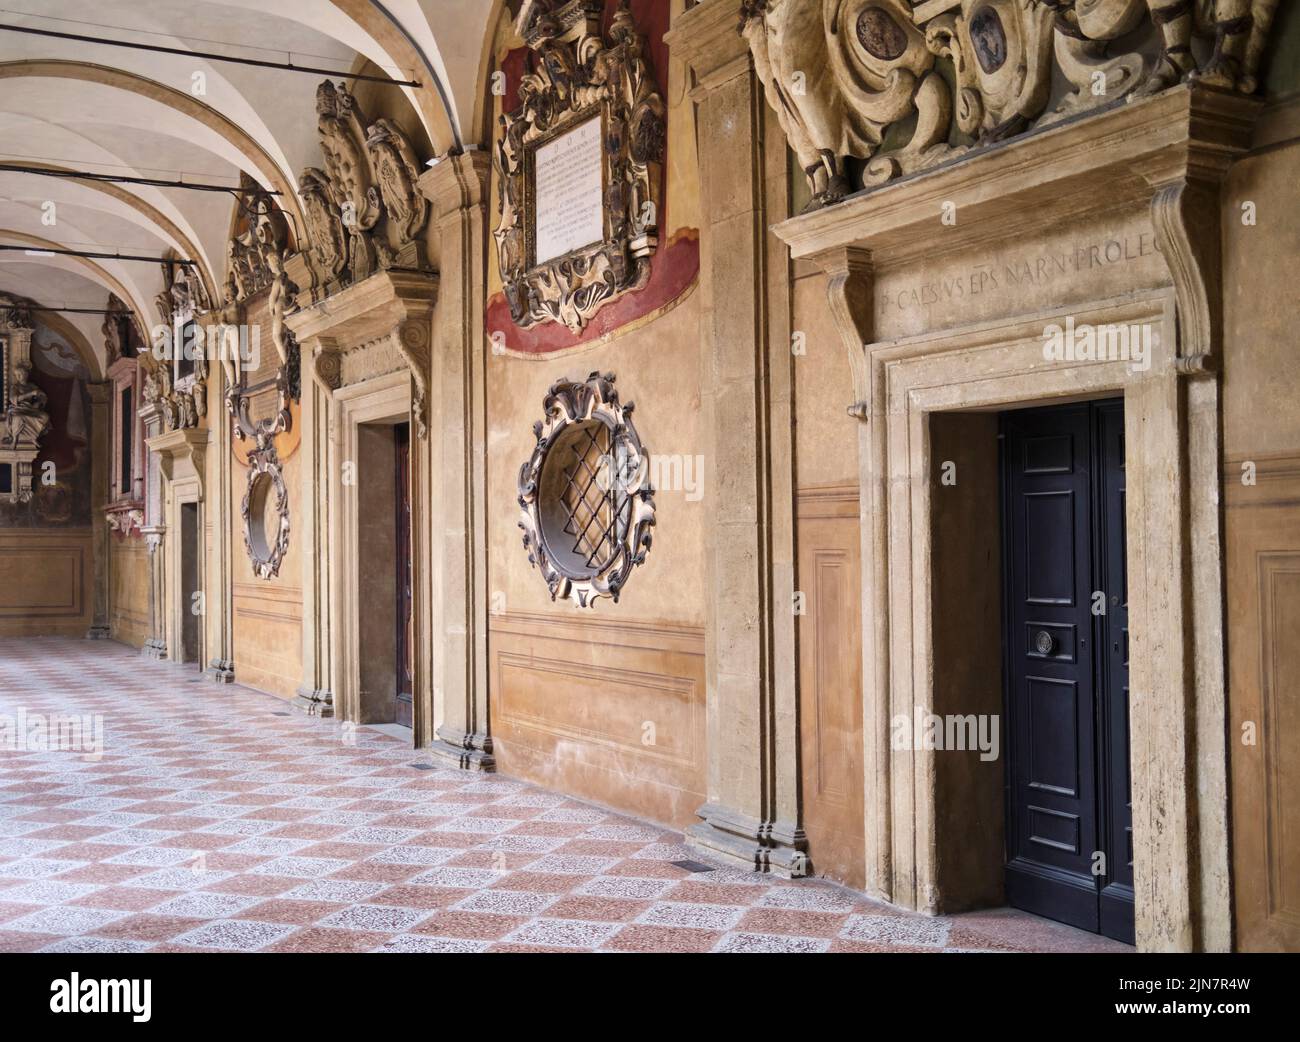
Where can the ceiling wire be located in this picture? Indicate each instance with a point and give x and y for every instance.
(393, 69)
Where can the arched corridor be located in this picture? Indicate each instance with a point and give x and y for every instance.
(650, 475)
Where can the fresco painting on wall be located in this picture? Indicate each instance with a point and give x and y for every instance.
(61, 484)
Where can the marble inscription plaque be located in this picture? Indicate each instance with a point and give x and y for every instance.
(567, 192)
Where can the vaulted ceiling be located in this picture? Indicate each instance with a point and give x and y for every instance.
(81, 106)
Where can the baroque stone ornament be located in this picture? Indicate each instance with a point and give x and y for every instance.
(265, 511)
(580, 76)
(846, 78)
(363, 211)
(587, 504)
(23, 416)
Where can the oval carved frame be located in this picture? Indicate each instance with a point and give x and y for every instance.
(568, 404)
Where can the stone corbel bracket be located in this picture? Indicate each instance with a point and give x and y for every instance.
(393, 306)
(1191, 248)
(849, 289)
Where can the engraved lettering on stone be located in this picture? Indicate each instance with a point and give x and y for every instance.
(567, 192)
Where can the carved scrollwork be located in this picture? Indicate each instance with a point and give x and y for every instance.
(581, 76)
(843, 76)
(587, 504)
(364, 210)
(265, 511)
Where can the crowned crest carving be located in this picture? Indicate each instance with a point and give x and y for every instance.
(841, 74)
(364, 211)
(581, 75)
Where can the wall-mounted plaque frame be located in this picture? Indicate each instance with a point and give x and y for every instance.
(580, 77)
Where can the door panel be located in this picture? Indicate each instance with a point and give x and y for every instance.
(1052, 815)
(1113, 700)
(1067, 668)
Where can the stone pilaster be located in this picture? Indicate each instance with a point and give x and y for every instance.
(315, 695)
(752, 814)
(458, 188)
(153, 530)
(219, 579)
(101, 433)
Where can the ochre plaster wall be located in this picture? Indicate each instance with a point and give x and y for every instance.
(267, 612)
(128, 615)
(608, 703)
(1261, 423)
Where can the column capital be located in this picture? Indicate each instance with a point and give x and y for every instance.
(457, 182)
(100, 391)
(708, 39)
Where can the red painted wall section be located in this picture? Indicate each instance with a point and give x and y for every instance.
(675, 264)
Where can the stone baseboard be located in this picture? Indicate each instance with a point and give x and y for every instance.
(776, 847)
(467, 752)
(314, 702)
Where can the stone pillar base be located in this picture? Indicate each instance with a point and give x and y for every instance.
(776, 847)
(314, 702)
(154, 648)
(221, 671)
(97, 632)
(471, 752)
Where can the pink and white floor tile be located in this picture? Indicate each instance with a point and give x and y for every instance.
(217, 820)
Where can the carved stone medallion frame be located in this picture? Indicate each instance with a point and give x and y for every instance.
(580, 76)
(266, 550)
(587, 503)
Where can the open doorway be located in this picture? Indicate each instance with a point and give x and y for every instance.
(191, 590)
(384, 573)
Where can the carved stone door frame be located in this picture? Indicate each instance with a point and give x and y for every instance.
(182, 461)
(999, 366)
(369, 350)
(381, 400)
(1154, 166)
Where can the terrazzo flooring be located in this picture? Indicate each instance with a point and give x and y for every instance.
(216, 820)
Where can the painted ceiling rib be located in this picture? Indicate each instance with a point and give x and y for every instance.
(438, 85)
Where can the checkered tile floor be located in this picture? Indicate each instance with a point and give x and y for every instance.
(217, 821)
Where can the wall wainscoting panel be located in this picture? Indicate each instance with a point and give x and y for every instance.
(830, 679)
(129, 578)
(610, 711)
(1262, 526)
(268, 637)
(44, 575)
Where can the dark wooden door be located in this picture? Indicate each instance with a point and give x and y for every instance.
(402, 442)
(1068, 849)
(1112, 653)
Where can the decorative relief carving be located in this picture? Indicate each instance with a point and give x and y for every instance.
(364, 211)
(124, 522)
(840, 74)
(587, 503)
(265, 510)
(580, 77)
(23, 416)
